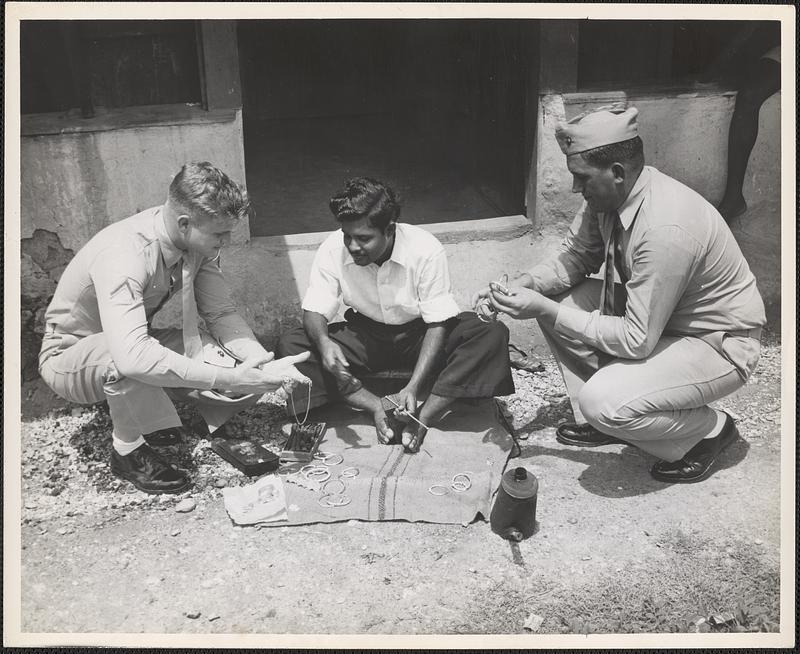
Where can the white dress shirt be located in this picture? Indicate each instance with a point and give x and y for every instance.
(414, 282)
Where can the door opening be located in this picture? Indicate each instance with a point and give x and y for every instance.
(435, 108)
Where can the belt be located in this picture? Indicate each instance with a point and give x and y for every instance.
(382, 328)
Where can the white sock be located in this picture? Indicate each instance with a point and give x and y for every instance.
(123, 448)
(718, 426)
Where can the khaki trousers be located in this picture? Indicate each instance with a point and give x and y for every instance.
(84, 373)
(659, 403)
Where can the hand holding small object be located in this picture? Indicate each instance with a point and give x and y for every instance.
(407, 403)
(334, 361)
(482, 300)
(497, 287)
(521, 303)
(402, 409)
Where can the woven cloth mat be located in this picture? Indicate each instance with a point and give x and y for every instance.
(394, 485)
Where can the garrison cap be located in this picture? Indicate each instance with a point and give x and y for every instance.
(596, 128)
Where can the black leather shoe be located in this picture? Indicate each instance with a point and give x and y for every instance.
(583, 435)
(148, 471)
(697, 463)
(170, 436)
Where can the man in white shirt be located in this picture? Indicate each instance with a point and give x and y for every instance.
(395, 280)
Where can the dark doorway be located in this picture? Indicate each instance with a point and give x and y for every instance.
(433, 107)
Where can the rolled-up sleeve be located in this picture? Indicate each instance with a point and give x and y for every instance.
(436, 301)
(215, 304)
(324, 288)
(119, 279)
(663, 265)
(581, 253)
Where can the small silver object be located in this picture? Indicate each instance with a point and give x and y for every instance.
(338, 458)
(328, 501)
(434, 492)
(328, 491)
(349, 473)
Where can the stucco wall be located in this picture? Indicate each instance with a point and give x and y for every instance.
(685, 136)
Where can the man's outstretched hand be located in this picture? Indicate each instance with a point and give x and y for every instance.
(261, 374)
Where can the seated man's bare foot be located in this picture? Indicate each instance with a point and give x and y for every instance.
(383, 427)
(413, 435)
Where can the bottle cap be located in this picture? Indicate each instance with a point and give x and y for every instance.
(520, 484)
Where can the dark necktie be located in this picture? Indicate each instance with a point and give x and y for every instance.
(613, 262)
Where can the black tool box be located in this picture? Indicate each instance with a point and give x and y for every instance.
(251, 458)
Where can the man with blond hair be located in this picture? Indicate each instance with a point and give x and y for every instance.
(99, 343)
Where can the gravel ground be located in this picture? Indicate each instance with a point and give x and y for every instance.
(588, 502)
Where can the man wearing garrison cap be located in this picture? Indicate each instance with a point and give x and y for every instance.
(673, 324)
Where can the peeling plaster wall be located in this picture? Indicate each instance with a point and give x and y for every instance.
(43, 259)
(685, 136)
(75, 184)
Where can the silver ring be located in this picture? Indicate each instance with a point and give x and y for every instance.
(432, 492)
(461, 482)
(326, 461)
(328, 502)
(490, 307)
(327, 491)
(349, 473)
(316, 473)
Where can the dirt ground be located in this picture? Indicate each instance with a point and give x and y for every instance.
(615, 551)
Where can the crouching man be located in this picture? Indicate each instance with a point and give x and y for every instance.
(98, 341)
(401, 313)
(642, 358)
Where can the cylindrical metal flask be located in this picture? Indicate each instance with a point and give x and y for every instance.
(513, 515)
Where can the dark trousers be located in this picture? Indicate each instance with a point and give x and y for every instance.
(473, 364)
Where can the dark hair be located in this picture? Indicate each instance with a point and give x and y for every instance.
(364, 197)
(630, 151)
(202, 187)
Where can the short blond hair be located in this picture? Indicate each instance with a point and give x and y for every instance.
(203, 188)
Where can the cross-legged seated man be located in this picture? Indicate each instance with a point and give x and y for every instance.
(395, 282)
(99, 344)
(643, 358)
